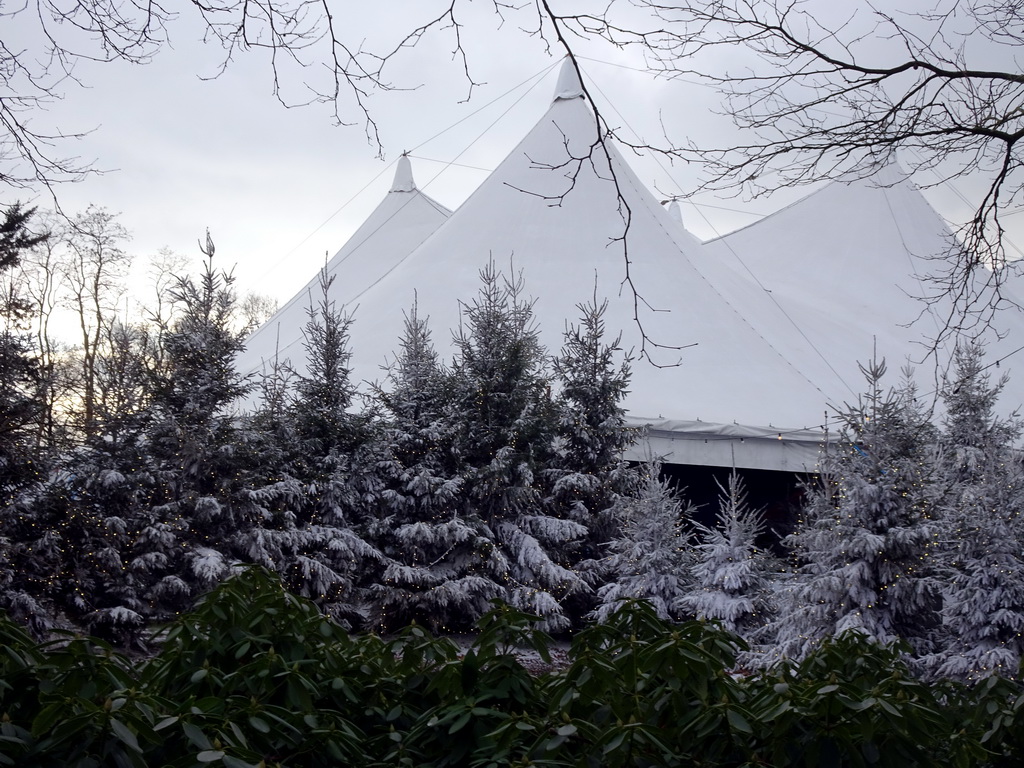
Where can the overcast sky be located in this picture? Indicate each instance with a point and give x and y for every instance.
(279, 188)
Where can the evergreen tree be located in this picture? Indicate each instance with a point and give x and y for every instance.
(650, 557)
(312, 499)
(589, 473)
(110, 479)
(184, 540)
(73, 530)
(272, 485)
(22, 471)
(437, 556)
(336, 439)
(324, 394)
(70, 532)
(731, 573)
(329, 555)
(866, 542)
(506, 430)
(20, 378)
(195, 391)
(984, 602)
(70, 539)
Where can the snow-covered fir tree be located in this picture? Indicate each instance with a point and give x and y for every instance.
(438, 570)
(39, 555)
(650, 558)
(588, 473)
(182, 545)
(306, 492)
(336, 436)
(506, 425)
(867, 538)
(73, 535)
(325, 392)
(76, 526)
(732, 575)
(984, 602)
(111, 478)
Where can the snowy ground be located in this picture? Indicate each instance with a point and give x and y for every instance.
(528, 657)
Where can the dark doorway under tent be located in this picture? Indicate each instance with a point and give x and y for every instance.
(779, 495)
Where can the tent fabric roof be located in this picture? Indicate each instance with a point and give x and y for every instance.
(400, 223)
(556, 211)
(769, 322)
(846, 274)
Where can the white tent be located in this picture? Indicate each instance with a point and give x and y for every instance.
(846, 271)
(769, 321)
(402, 221)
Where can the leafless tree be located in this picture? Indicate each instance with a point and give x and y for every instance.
(163, 271)
(254, 310)
(94, 267)
(123, 376)
(42, 283)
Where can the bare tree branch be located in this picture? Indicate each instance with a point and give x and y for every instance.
(596, 156)
(822, 91)
(311, 61)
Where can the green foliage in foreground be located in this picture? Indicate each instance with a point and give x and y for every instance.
(256, 676)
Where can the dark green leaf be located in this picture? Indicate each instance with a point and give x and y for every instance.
(196, 736)
(459, 724)
(125, 734)
(738, 721)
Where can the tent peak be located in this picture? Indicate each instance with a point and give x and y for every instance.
(568, 85)
(403, 176)
(888, 174)
(674, 211)
(884, 173)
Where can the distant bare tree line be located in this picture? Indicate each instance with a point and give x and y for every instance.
(67, 298)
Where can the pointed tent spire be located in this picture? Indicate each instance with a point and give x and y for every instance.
(674, 210)
(403, 176)
(569, 85)
(398, 224)
(888, 173)
(885, 171)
